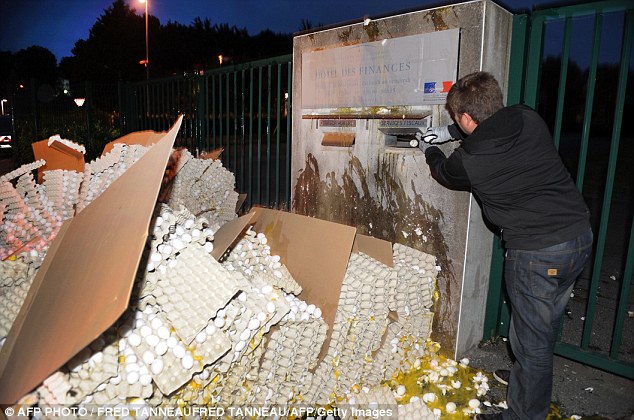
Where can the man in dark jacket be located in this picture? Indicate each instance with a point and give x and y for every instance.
(508, 160)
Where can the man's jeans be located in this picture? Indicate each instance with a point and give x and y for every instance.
(538, 284)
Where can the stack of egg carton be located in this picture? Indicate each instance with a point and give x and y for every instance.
(103, 171)
(201, 186)
(25, 218)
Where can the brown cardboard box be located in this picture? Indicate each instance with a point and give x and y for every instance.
(57, 156)
(85, 281)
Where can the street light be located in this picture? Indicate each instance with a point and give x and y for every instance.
(2, 102)
(146, 62)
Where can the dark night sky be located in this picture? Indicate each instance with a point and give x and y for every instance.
(57, 25)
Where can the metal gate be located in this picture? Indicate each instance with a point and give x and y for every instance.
(574, 65)
(244, 110)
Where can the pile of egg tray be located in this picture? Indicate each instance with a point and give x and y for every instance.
(32, 214)
(204, 187)
(103, 171)
(24, 216)
(75, 146)
(252, 257)
(15, 280)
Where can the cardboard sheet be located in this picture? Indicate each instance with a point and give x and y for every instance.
(229, 233)
(144, 138)
(316, 253)
(376, 248)
(85, 281)
(58, 157)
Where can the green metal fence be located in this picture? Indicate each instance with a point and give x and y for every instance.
(583, 87)
(243, 109)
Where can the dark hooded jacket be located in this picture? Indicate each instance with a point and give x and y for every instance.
(513, 168)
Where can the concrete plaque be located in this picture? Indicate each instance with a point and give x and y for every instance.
(406, 71)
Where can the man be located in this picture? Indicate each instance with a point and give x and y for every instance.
(508, 160)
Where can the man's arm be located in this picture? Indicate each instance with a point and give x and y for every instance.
(448, 171)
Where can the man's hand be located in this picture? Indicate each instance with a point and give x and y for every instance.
(435, 135)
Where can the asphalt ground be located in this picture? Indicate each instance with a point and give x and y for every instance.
(578, 390)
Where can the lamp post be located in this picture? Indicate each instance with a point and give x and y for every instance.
(146, 62)
(2, 103)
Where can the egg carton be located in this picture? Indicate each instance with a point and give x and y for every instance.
(197, 274)
(416, 280)
(365, 401)
(93, 366)
(252, 257)
(415, 409)
(54, 390)
(172, 361)
(75, 146)
(291, 351)
(45, 222)
(12, 297)
(61, 188)
(205, 188)
(29, 167)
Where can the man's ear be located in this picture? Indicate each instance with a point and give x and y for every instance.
(469, 122)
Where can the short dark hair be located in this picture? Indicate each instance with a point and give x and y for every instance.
(477, 94)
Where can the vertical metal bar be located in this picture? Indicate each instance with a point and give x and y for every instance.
(587, 118)
(213, 110)
(268, 136)
(207, 142)
(250, 161)
(242, 130)
(289, 137)
(235, 121)
(563, 76)
(534, 60)
(220, 110)
(626, 51)
(278, 130)
(228, 121)
(258, 177)
(495, 295)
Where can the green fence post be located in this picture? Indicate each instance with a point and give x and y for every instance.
(89, 119)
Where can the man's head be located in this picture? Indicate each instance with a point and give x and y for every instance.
(473, 99)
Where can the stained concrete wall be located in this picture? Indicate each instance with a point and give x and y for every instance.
(388, 193)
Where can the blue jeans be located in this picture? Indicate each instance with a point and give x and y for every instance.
(538, 283)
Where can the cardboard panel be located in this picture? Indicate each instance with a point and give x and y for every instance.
(85, 282)
(228, 234)
(144, 138)
(376, 248)
(58, 157)
(316, 253)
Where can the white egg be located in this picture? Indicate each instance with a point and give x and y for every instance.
(245, 335)
(156, 323)
(450, 407)
(148, 357)
(242, 297)
(188, 361)
(474, 403)
(317, 313)
(116, 380)
(132, 377)
(145, 331)
(201, 337)
(210, 329)
(156, 257)
(179, 351)
(209, 246)
(266, 289)
(219, 322)
(134, 340)
(163, 332)
(145, 380)
(152, 340)
(261, 316)
(270, 307)
(161, 348)
(400, 390)
(172, 342)
(131, 366)
(254, 324)
(240, 346)
(157, 366)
